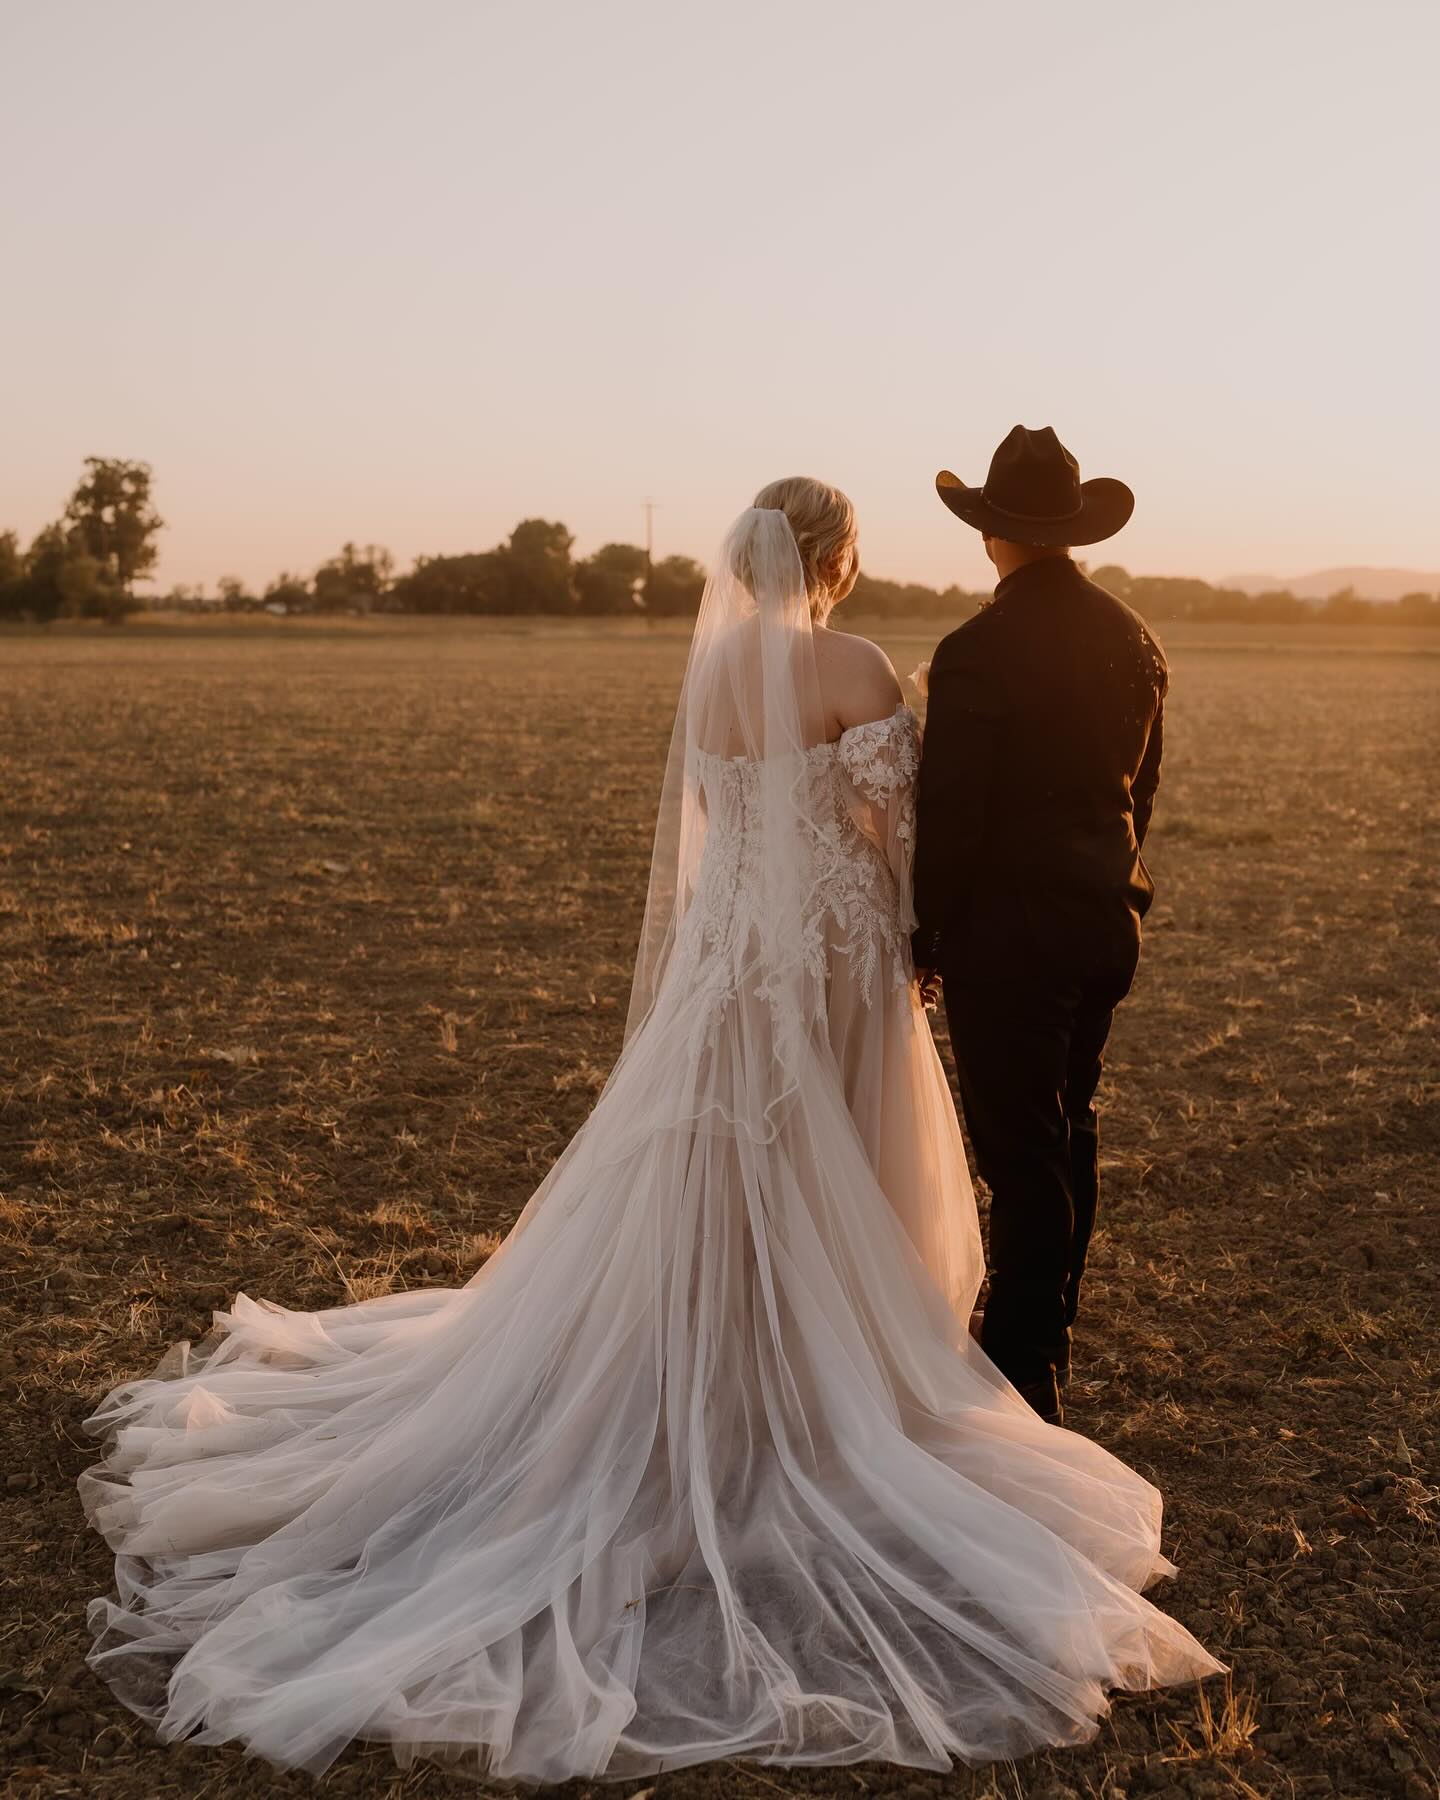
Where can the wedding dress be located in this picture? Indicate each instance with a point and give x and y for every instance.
(703, 1462)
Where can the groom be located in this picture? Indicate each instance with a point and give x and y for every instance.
(1041, 760)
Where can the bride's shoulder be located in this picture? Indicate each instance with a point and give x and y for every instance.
(858, 677)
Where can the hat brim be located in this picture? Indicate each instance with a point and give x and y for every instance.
(1105, 508)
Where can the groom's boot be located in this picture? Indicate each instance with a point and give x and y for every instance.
(1041, 1391)
(1043, 1396)
(1034, 1375)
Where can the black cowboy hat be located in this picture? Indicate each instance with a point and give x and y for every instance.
(1034, 495)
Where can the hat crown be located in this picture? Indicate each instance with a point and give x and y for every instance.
(1033, 476)
(1034, 495)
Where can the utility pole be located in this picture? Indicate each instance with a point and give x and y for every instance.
(649, 506)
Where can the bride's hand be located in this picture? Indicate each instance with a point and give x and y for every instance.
(928, 981)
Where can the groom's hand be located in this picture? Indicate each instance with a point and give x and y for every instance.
(929, 980)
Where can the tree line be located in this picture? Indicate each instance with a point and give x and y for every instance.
(1160, 597)
(533, 571)
(86, 564)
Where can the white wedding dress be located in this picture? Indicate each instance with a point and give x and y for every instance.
(703, 1462)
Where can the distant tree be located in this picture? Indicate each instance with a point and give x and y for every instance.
(539, 574)
(1113, 579)
(234, 595)
(356, 578)
(960, 604)
(1417, 609)
(674, 587)
(1279, 607)
(873, 597)
(1345, 607)
(111, 518)
(39, 592)
(12, 575)
(611, 579)
(1157, 597)
(1228, 605)
(290, 591)
(477, 582)
(61, 579)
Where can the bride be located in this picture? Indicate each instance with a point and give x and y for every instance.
(703, 1462)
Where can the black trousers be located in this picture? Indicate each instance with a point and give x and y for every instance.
(1028, 1048)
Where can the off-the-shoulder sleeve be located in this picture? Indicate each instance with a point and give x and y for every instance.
(882, 760)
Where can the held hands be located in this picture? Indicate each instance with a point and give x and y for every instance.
(928, 981)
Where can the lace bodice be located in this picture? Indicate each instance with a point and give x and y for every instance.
(860, 805)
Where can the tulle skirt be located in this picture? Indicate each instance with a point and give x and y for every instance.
(702, 1463)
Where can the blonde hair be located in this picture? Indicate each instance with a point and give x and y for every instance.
(823, 521)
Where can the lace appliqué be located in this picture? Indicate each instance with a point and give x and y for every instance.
(861, 793)
(883, 760)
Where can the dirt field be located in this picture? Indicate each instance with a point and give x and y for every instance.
(316, 948)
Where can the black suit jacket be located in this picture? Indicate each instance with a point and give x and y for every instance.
(1043, 736)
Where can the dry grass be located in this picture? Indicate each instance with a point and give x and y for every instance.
(316, 946)
(1224, 1726)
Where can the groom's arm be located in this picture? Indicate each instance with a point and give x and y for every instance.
(962, 722)
(1147, 777)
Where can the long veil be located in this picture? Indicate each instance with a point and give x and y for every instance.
(751, 695)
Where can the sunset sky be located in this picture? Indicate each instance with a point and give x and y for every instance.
(406, 273)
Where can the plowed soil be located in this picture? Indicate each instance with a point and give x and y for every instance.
(316, 948)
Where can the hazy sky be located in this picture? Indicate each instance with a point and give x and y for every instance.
(408, 272)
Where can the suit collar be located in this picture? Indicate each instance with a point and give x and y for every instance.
(1039, 573)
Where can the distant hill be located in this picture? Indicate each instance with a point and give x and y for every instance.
(1369, 584)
